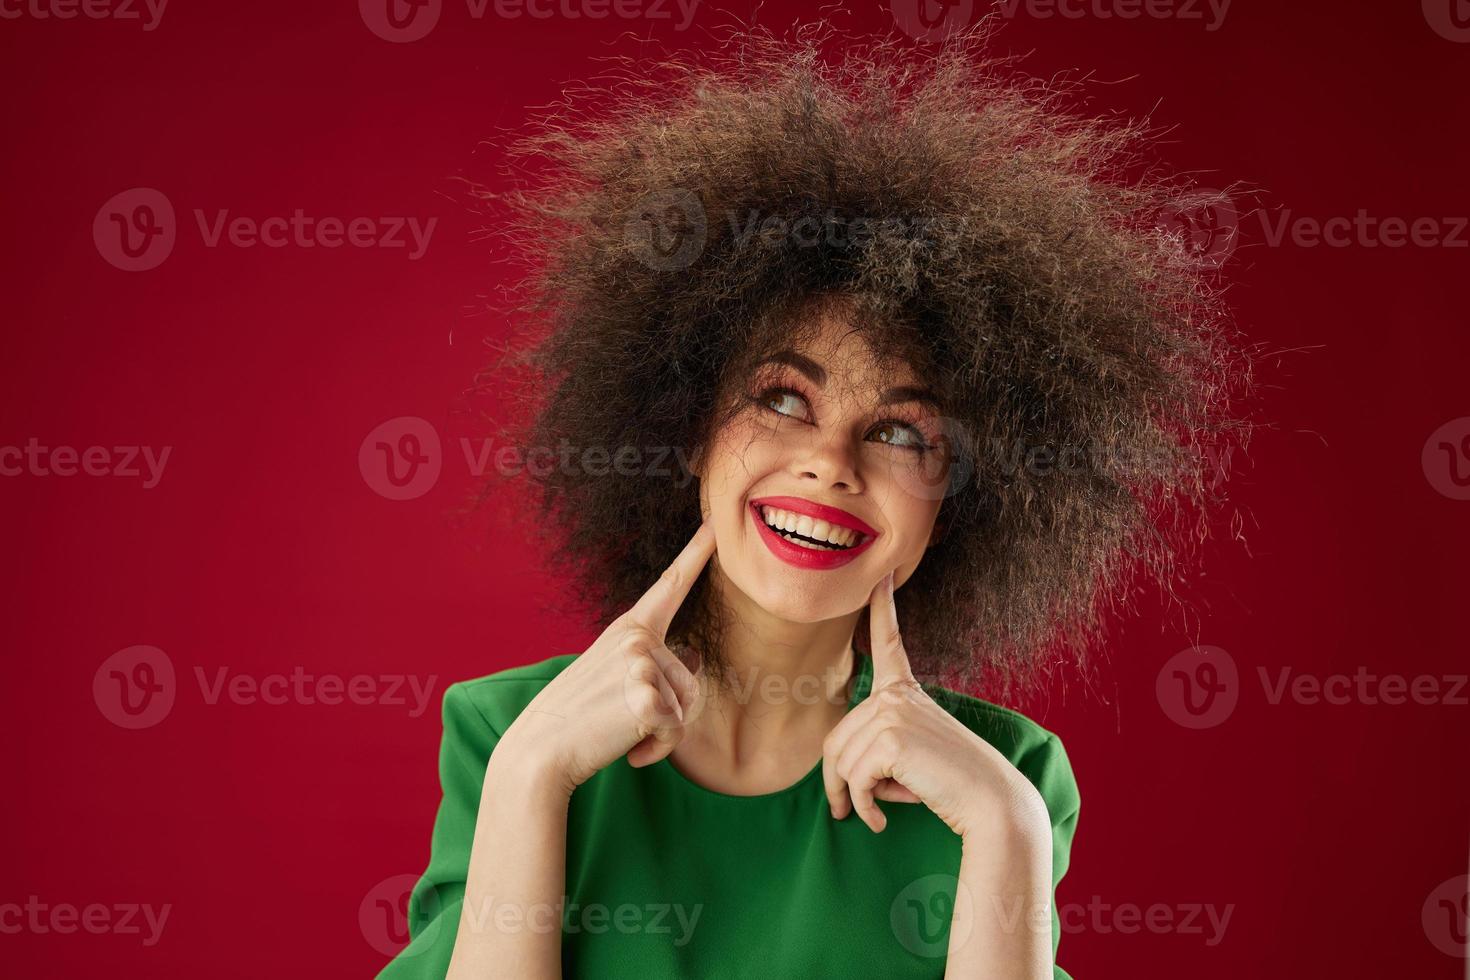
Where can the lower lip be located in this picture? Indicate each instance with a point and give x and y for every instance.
(795, 554)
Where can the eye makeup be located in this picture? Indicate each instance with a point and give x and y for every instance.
(910, 421)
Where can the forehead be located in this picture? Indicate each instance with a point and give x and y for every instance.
(839, 352)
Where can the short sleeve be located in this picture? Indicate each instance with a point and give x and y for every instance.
(435, 902)
(1051, 773)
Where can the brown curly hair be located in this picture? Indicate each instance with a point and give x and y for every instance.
(682, 219)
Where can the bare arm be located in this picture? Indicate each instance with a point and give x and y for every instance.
(1002, 918)
(627, 695)
(510, 925)
(900, 746)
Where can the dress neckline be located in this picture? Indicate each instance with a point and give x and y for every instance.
(862, 680)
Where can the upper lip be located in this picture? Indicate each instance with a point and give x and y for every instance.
(821, 512)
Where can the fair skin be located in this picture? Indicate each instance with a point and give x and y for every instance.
(832, 441)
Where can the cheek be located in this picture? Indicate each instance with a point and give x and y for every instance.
(738, 459)
(916, 485)
(722, 485)
(910, 518)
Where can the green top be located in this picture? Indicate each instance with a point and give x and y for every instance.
(668, 879)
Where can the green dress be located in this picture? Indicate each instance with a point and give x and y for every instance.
(668, 879)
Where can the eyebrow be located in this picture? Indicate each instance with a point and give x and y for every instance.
(814, 371)
(805, 365)
(908, 393)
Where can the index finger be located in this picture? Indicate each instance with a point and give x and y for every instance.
(656, 607)
(890, 661)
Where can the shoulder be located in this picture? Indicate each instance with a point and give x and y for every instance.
(1032, 749)
(495, 700)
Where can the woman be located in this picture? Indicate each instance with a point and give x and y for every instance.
(942, 384)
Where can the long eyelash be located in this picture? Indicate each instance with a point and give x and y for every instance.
(923, 444)
(759, 398)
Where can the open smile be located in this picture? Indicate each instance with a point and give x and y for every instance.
(810, 535)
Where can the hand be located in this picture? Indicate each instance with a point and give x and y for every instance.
(627, 693)
(900, 746)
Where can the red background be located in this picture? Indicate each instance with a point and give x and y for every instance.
(263, 549)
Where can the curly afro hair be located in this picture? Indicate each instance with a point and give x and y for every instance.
(679, 223)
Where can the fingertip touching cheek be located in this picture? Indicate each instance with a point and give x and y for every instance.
(827, 475)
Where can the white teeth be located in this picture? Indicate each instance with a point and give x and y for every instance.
(784, 520)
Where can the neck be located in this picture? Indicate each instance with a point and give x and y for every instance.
(787, 682)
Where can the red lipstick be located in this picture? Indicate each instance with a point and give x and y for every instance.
(810, 558)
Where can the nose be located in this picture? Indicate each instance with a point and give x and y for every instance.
(829, 463)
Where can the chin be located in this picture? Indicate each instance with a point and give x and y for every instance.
(804, 597)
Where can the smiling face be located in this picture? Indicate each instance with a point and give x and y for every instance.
(828, 447)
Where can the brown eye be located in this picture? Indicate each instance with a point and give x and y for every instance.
(900, 434)
(783, 401)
